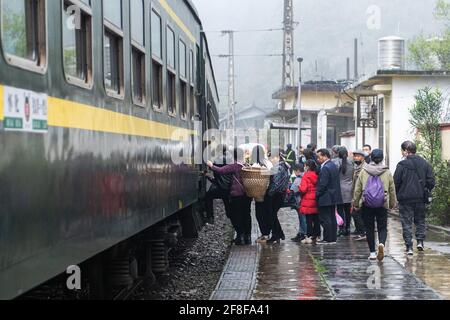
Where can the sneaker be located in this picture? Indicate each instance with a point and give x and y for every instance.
(373, 256)
(262, 239)
(308, 241)
(248, 240)
(361, 238)
(420, 246)
(273, 241)
(299, 238)
(239, 241)
(380, 255)
(409, 251)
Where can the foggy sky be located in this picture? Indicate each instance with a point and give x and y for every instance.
(325, 33)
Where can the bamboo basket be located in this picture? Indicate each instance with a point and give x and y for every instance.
(256, 181)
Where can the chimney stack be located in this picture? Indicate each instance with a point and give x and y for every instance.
(348, 69)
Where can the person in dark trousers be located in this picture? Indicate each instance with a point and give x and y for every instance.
(328, 196)
(258, 160)
(367, 148)
(279, 183)
(373, 175)
(308, 189)
(414, 181)
(220, 185)
(346, 180)
(240, 210)
(360, 229)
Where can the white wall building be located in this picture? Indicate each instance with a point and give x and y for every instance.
(391, 94)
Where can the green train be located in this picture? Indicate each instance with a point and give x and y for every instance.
(91, 93)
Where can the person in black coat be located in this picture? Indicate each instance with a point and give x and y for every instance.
(414, 180)
(328, 196)
(220, 185)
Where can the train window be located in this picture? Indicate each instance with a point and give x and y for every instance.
(157, 65)
(112, 11)
(113, 49)
(77, 43)
(137, 21)
(192, 87)
(183, 79)
(182, 57)
(138, 51)
(183, 100)
(170, 48)
(171, 93)
(157, 73)
(156, 35)
(138, 80)
(23, 28)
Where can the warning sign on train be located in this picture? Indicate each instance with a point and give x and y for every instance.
(25, 110)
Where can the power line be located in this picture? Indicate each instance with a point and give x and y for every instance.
(244, 30)
(248, 55)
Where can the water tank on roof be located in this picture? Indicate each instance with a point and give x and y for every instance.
(391, 53)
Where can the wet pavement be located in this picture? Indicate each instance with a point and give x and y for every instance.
(292, 271)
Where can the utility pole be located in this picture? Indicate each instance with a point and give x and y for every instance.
(299, 104)
(231, 122)
(288, 46)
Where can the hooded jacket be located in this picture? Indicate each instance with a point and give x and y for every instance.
(375, 170)
(409, 187)
(308, 190)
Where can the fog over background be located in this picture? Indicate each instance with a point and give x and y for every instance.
(326, 33)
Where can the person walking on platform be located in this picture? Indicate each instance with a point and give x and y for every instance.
(220, 185)
(345, 167)
(359, 162)
(240, 210)
(308, 207)
(295, 189)
(375, 195)
(259, 160)
(414, 181)
(279, 182)
(328, 196)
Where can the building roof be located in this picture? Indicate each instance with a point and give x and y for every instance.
(382, 75)
(311, 86)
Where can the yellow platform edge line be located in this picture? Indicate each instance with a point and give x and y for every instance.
(177, 20)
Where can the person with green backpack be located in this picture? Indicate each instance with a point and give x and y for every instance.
(375, 195)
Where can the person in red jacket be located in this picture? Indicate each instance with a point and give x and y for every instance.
(309, 203)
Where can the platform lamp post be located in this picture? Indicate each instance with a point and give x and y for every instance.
(299, 104)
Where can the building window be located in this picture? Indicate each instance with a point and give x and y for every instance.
(157, 63)
(138, 51)
(183, 79)
(23, 32)
(113, 48)
(182, 56)
(77, 43)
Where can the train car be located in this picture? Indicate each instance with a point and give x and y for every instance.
(91, 94)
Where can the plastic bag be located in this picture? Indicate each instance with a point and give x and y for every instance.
(339, 220)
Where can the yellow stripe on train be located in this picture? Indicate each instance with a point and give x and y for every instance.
(68, 114)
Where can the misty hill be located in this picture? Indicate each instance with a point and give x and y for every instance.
(325, 34)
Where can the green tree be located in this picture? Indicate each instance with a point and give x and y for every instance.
(433, 53)
(425, 117)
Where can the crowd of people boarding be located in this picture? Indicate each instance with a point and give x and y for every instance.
(336, 193)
